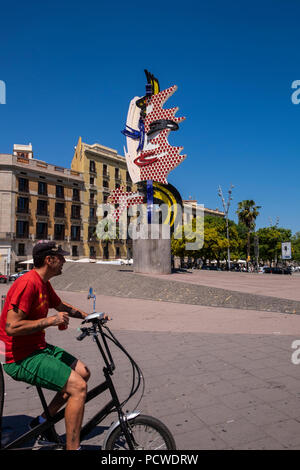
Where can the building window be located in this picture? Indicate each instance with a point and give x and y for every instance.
(41, 231)
(105, 172)
(92, 180)
(23, 205)
(60, 191)
(74, 250)
(92, 252)
(41, 207)
(59, 209)
(105, 184)
(92, 166)
(76, 194)
(92, 212)
(75, 233)
(42, 188)
(117, 173)
(106, 252)
(21, 249)
(91, 233)
(59, 232)
(75, 212)
(93, 198)
(22, 229)
(23, 185)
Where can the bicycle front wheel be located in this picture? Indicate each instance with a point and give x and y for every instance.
(148, 433)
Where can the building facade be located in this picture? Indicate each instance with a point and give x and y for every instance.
(37, 201)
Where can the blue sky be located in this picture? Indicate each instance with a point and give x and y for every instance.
(71, 68)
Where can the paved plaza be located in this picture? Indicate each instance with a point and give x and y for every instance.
(219, 376)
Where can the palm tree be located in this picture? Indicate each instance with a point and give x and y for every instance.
(247, 213)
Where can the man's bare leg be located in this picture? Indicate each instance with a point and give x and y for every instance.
(60, 398)
(76, 389)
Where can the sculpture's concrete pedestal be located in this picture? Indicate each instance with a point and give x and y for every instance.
(152, 256)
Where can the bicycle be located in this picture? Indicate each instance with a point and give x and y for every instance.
(132, 431)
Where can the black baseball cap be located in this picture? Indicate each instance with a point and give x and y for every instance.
(47, 247)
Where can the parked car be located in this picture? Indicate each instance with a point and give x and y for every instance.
(278, 270)
(262, 269)
(3, 278)
(15, 276)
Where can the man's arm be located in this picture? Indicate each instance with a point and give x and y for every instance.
(18, 325)
(72, 311)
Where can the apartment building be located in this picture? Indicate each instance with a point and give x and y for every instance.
(37, 201)
(103, 170)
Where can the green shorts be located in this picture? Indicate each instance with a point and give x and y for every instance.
(48, 368)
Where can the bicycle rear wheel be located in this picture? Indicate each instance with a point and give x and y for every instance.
(148, 433)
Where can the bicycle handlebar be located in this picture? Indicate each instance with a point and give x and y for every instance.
(84, 333)
(94, 318)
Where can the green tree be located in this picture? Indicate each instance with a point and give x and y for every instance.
(270, 239)
(247, 213)
(215, 241)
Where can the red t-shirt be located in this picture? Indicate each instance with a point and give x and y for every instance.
(34, 297)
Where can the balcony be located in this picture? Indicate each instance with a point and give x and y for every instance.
(42, 213)
(59, 237)
(22, 235)
(22, 211)
(41, 236)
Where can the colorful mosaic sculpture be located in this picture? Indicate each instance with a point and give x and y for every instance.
(149, 155)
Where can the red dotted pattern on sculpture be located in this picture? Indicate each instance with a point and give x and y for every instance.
(125, 199)
(168, 157)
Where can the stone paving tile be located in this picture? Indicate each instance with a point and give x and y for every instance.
(216, 414)
(266, 373)
(239, 431)
(203, 439)
(263, 414)
(286, 432)
(271, 394)
(220, 388)
(240, 400)
(184, 421)
(267, 443)
(248, 382)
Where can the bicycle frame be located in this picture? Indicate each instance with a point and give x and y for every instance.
(113, 405)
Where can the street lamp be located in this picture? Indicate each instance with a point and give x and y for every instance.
(226, 210)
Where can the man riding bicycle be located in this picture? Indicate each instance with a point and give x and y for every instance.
(28, 357)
